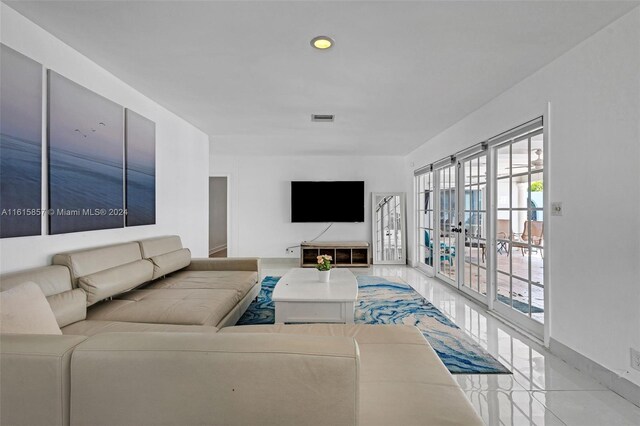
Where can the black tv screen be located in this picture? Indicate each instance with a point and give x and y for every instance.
(335, 201)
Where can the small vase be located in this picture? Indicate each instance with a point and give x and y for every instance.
(323, 276)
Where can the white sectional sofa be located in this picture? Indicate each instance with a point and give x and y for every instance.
(142, 343)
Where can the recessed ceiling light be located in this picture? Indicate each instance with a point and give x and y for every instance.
(322, 42)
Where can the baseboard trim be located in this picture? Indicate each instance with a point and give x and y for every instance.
(291, 262)
(217, 249)
(620, 385)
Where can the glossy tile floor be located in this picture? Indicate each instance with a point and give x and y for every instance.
(543, 389)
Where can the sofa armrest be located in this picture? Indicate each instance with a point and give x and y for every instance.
(34, 378)
(215, 379)
(225, 264)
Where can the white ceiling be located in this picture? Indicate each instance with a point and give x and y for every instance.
(244, 72)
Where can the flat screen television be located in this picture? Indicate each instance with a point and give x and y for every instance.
(327, 201)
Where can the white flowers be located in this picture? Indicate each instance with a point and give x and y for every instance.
(324, 262)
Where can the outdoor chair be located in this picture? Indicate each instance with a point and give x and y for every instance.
(447, 252)
(503, 235)
(533, 235)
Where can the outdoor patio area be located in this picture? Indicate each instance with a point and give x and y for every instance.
(476, 279)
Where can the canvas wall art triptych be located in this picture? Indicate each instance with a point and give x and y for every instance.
(99, 162)
(20, 144)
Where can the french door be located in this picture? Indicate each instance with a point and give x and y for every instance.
(452, 223)
(519, 229)
(481, 225)
(460, 247)
(473, 241)
(445, 246)
(425, 223)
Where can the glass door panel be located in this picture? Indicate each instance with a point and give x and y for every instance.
(378, 235)
(474, 242)
(389, 228)
(519, 227)
(425, 228)
(454, 222)
(445, 249)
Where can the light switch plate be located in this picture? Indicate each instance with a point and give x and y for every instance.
(556, 208)
(635, 358)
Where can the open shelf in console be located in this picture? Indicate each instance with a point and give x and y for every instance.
(346, 254)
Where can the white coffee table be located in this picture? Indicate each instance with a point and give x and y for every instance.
(299, 296)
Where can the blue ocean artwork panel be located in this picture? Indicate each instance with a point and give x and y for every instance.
(86, 159)
(140, 141)
(20, 145)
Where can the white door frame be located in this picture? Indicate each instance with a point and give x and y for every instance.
(420, 263)
(403, 226)
(459, 238)
(460, 249)
(437, 219)
(527, 324)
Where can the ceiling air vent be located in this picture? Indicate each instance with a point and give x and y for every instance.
(322, 118)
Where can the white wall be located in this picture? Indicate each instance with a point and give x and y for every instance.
(181, 156)
(260, 198)
(217, 213)
(593, 250)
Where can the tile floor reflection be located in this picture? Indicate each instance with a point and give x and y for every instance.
(543, 389)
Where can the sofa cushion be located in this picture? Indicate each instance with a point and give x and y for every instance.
(174, 306)
(225, 380)
(241, 281)
(363, 333)
(394, 362)
(90, 328)
(241, 307)
(152, 247)
(89, 261)
(35, 371)
(225, 264)
(69, 307)
(414, 403)
(414, 359)
(164, 264)
(25, 310)
(402, 379)
(116, 280)
(67, 304)
(51, 279)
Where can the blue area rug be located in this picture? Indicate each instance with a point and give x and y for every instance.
(381, 301)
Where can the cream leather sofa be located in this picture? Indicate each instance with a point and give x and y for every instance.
(141, 346)
(148, 285)
(181, 290)
(254, 375)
